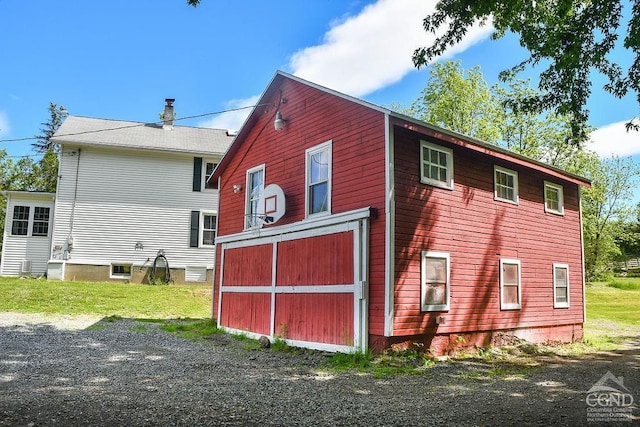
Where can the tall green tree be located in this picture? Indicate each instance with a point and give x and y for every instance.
(572, 38)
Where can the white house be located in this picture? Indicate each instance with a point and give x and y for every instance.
(132, 198)
(27, 233)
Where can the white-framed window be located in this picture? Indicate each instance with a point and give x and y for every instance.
(510, 286)
(120, 271)
(25, 218)
(436, 165)
(209, 224)
(435, 281)
(255, 187)
(560, 285)
(318, 179)
(207, 170)
(553, 198)
(505, 185)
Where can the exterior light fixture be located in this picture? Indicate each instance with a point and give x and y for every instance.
(237, 188)
(279, 123)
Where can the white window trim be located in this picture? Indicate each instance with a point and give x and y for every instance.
(30, 221)
(204, 174)
(247, 186)
(557, 304)
(120, 276)
(423, 260)
(515, 185)
(560, 189)
(434, 182)
(201, 228)
(504, 306)
(328, 146)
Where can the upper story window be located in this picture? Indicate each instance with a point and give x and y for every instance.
(553, 198)
(208, 171)
(25, 218)
(254, 186)
(510, 289)
(505, 185)
(318, 179)
(436, 165)
(435, 281)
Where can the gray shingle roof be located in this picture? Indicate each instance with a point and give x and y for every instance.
(117, 133)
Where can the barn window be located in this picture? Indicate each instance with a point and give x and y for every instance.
(435, 281)
(553, 198)
(20, 224)
(254, 186)
(318, 179)
(560, 285)
(510, 290)
(120, 271)
(208, 232)
(437, 165)
(505, 185)
(40, 225)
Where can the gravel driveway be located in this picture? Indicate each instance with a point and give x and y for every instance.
(130, 373)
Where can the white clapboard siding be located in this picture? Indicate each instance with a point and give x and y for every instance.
(128, 198)
(16, 249)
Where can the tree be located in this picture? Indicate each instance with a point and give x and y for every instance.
(459, 100)
(43, 143)
(574, 37)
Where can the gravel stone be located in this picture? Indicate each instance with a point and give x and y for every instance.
(84, 371)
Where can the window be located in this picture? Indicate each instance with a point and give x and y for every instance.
(560, 285)
(553, 198)
(20, 225)
(208, 171)
(435, 281)
(255, 186)
(510, 292)
(318, 180)
(208, 229)
(506, 185)
(120, 271)
(40, 221)
(437, 165)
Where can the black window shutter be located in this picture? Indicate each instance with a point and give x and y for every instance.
(195, 229)
(197, 173)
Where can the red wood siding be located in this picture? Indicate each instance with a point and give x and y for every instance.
(358, 170)
(477, 232)
(322, 318)
(322, 260)
(246, 312)
(248, 266)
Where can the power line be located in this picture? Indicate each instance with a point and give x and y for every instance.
(131, 126)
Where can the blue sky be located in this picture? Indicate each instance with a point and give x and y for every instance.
(120, 59)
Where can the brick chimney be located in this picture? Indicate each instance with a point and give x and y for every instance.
(168, 115)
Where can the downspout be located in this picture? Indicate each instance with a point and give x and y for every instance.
(584, 285)
(389, 255)
(69, 242)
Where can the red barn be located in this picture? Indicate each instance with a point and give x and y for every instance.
(346, 226)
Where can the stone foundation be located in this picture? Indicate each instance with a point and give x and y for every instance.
(101, 273)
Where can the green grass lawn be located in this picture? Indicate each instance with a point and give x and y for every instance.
(105, 299)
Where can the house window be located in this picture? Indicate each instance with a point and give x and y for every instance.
(208, 171)
(553, 198)
(255, 186)
(120, 271)
(20, 225)
(506, 185)
(510, 290)
(208, 229)
(560, 285)
(40, 221)
(318, 179)
(437, 165)
(435, 281)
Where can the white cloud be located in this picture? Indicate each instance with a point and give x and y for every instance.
(4, 123)
(373, 49)
(613, 139)
(231, 120)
